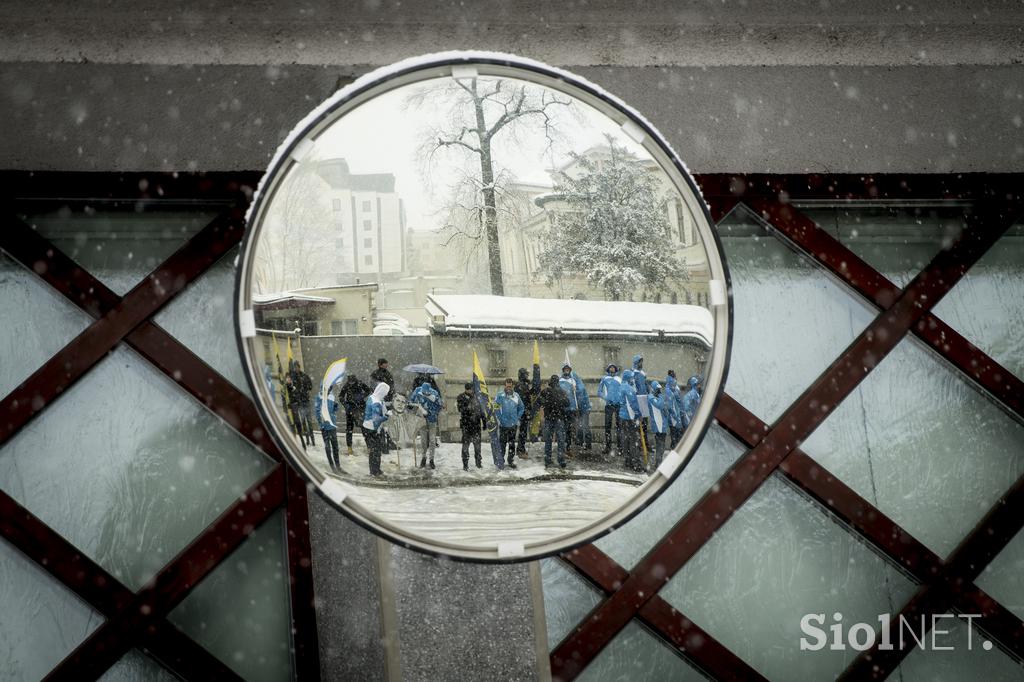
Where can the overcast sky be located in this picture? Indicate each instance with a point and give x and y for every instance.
(384, 135)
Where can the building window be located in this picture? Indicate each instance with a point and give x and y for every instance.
(611, 355)
(679, 221)
(310, 328)
(366, 207)
(368, 242)
(336, 204)
(339, 243)
(367, 225)
(344, 327)
(675, 298)
(368, 260)
(496, 362)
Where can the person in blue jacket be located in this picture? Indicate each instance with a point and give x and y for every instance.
(570, 383)
(429, 399)
(691, 400)
(640, 384)
(328, 429)
(629, 417)
(608, 391)
(658, 403)
(373, 426)
(674, 404)
(510, 411)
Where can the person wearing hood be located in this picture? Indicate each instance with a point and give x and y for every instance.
(510, 412)
(471, 420)
(691, 400)
(524, 387)
(429, 399)
(567, 382)
(555, 404)
(658, 403)
(373, 426)
(303, 389)
(640, 384)
(329, 429)
(673, 404)
(353, 395)
(629, 417)
(609, 391)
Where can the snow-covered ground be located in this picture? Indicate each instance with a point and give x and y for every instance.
(485, 505)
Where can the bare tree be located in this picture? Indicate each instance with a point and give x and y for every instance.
(478, 110)
(296, 246)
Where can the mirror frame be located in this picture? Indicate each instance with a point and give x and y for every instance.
(345, 497)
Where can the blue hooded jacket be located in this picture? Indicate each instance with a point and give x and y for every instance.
(510, 409)
(573, 387)
(673, 402)
(630, 406)
(430, 399)
(639, 376)
(691, 401)
(332, 409)
(657, 404)
(609, 389)
(375, 413)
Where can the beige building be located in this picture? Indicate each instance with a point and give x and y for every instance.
(592, 334)
(339, 310)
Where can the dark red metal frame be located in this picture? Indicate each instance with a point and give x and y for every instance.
(139, 619)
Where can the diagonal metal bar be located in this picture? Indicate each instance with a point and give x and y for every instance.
(954, 587)
(799, 420)
(105, 593)
(797, 228)
(151, 341)
(675, 629)
(173, 583)
(70, 363)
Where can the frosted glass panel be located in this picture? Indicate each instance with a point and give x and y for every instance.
(128, 467)
(960, 664)
(923, 445)
(791, 319)
(37, 322)
(635, 654)
(240, 612)
(42, 621)
(897, 241)
(987, 305)
(202, 317)
(631, 542)
(778, 558)
(137, 667)
(119, 248)
(567, 599)
(1003, 579)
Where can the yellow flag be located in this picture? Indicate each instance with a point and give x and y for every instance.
(290, 356)
(536, 352)
(478, 374)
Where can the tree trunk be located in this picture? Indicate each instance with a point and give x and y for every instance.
(490, 207)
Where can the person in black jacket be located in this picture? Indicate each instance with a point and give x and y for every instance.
(302, 389)
(471, 421)
(555, 404)
(524, 387)
(353, 395)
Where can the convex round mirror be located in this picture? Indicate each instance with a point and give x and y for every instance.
(482, 307)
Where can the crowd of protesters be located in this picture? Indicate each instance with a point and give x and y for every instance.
(643, 417)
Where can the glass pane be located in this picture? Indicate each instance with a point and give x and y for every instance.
(135, 666)
(777, 559)
(968, 661)
(120, 247)
(635, 654)
(1003, 579)
(38, 322)
(567, 599)
(923, 445)
(791, 319)
(628, 544)
(898, 241)
(128, 467)
(987, 305)
(240, 612)
(202, 317)
(42, 620)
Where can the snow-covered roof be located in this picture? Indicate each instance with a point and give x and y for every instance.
(288, 297)
(537, 316)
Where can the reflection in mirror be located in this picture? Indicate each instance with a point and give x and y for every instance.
(482, 312)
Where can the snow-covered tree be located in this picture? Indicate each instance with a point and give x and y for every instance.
(614, 229)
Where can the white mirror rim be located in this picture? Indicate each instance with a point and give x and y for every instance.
(346, 498)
